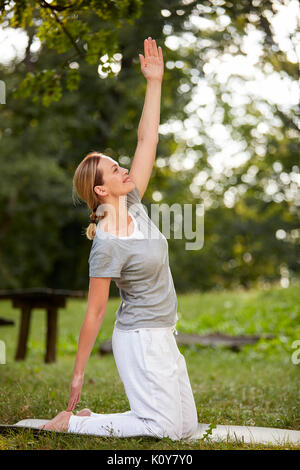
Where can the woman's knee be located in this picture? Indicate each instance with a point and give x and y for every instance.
(190, 430)
(172, 430)
(161, 430)
(177, 432)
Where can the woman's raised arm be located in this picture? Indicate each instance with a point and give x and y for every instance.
(152, 67)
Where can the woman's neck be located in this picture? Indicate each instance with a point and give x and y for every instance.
(116, 217)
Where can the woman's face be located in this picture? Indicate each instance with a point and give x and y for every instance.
(114, 178)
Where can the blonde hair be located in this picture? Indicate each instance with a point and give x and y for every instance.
(88, 175)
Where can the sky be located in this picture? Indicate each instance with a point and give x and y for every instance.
(271, 86)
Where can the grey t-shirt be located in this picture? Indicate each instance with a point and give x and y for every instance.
(139, 265)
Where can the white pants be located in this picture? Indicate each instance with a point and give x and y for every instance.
(157, 386)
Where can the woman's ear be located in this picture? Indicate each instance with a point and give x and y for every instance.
(100, 191)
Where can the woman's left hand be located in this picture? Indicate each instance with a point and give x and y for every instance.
(75, 391)
(152, 65)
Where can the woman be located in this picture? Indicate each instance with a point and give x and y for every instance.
(128, 248)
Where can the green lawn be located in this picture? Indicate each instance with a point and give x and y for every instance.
(258, 386)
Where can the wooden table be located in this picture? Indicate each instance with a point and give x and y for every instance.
(46, 298)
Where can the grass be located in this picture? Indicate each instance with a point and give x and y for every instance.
(258, 386)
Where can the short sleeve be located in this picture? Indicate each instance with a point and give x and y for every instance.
(133, 197)
(104, 261)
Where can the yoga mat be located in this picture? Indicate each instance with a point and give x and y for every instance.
(246, 434)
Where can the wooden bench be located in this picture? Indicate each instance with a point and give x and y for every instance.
(46, 298)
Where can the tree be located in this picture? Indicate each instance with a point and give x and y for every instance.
(244, 206)
(79, 30)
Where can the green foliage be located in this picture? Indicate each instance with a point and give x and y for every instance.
(87, 28)
(209, 431)
(73, 79)
(55, 36)
(45, 86)
(101, 41)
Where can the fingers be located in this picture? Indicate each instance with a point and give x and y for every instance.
(160, 54)
(154, 48)
(72, 403)
(150, 48)
(146, 49)
(142, 60)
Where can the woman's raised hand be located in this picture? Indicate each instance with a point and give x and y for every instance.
(152, 65)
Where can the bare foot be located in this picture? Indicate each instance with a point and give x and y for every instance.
(84, 412)
(59, 423)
